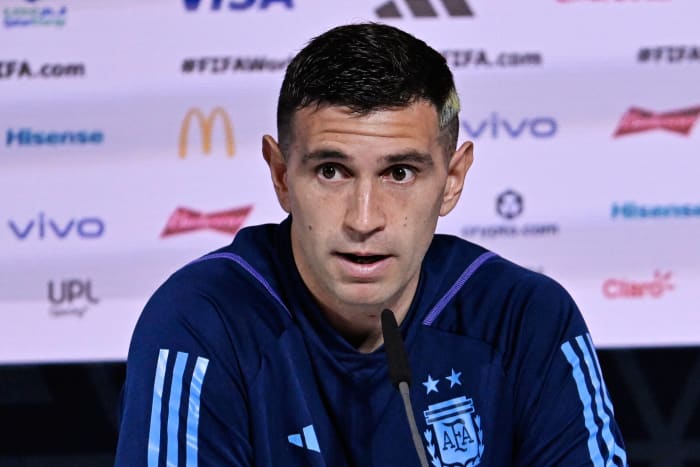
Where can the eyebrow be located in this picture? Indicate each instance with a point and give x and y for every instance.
(409, 156)
(323, 155)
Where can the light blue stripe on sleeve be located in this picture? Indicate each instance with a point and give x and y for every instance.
(154, 431)
(200, 370)
(174, 408)
(585, 397)
(588, 357)
(613, 447)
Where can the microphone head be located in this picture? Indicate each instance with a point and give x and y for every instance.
(395, 352)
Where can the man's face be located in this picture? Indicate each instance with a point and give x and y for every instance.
(365, 193)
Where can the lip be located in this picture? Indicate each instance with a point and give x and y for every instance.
(363, 272)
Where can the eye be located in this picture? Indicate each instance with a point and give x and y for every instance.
(402, 174)
(330, 172)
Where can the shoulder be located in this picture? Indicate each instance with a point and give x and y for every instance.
(502, 303)
(227, 295)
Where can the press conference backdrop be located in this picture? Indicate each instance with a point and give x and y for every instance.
(131, 136)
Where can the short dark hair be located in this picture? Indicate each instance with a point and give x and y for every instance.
(368, 67)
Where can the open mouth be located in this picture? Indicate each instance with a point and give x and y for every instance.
(363, 259)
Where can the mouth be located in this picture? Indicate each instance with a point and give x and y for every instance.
(362, 259)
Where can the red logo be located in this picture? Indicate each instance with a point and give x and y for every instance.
(188, 220)
(623, 288)
(636, 120)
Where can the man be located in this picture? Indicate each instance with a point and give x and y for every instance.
(269, 352)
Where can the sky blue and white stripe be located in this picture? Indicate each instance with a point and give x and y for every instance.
(176, 380)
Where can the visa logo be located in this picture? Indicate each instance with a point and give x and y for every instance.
(495, 127)
(45, 227)
(192, 5)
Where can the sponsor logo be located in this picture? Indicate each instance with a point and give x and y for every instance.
(613, 1)
(509, 206)
(29, 137)
(454, 435)
(655, 287)
(206, 125)
(480, 58)
(220, 65)
(23, 16)
(424, 8)
(496, 127)
(306, 439)
(185, 220)
(669, 54)
(630, 210)
(235, 5)
(71, 297)
(23, 69)
(637, 120)
(45, 227)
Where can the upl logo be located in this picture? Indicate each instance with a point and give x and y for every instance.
(206, 127)
(424, 8)
(495, 127)
(71, 297)
(235, 5)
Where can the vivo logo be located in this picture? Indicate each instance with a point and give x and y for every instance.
(46, 227)
(495, 126)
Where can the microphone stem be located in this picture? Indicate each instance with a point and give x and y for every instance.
(417, 442)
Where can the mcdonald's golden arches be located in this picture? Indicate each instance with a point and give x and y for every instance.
(206, 124)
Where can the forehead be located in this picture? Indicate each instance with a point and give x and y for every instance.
(414, 127)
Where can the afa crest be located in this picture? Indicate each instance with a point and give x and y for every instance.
(454, 436)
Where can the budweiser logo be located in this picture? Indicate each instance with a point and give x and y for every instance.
(636, 120)
(188, 220)
(623, 288)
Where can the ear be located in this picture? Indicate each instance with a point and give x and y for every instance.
(278, 170)
(457, 169)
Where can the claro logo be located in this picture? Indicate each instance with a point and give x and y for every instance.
(206, 127)
(624, 288)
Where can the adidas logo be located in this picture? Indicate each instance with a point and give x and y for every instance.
(425, 9)
(306, 439)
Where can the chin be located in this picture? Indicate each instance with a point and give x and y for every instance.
(364, 295)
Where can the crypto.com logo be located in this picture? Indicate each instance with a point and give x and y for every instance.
(637, 120)
(509, 204)
(623, 288)
(185, 220)
(425, 9)
(206, 125)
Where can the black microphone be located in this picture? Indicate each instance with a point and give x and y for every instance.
(400, 375)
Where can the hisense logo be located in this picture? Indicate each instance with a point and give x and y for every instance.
(424, 8)
(30, 137)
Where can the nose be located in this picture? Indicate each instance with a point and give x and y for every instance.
(364, 215)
